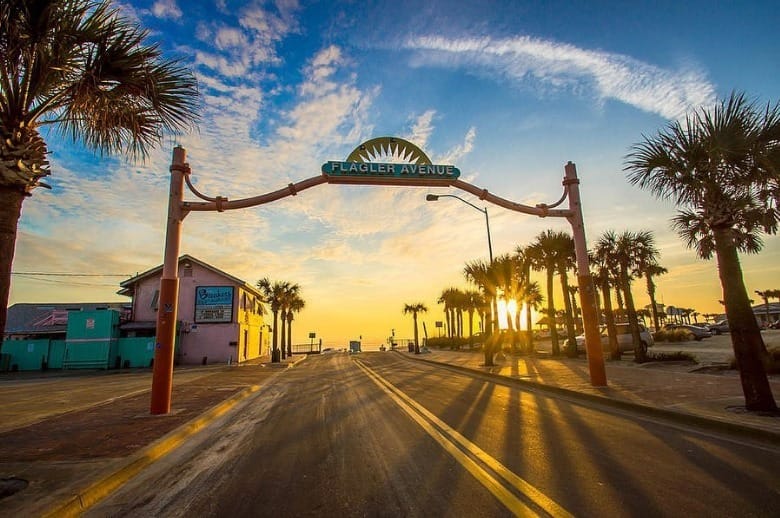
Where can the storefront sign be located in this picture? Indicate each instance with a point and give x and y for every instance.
(213, 304)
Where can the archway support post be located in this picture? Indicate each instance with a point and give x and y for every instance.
(590, 320)
(168, 299)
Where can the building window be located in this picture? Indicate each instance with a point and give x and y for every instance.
(155, 300)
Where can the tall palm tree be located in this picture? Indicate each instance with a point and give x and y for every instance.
(290, 293)
(483, 275)
(447, 298)
(530, 291)
(650, 272)
(414, 309)
(565, 261)
(81, 68)
(533, 299)
(629, 247)
(605, 264)
(474, 302)
(543, 254)
(294, 305)
(721, 167)
(773, 294)
(273, 294)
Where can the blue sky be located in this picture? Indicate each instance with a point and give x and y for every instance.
(506, 91)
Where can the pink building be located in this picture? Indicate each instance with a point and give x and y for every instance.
(220, 317)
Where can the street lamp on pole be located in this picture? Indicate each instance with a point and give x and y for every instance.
(435, 197)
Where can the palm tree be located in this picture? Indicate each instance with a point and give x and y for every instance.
(629, 247)
(81, 68)
(274, 294)
(294, 305)
(290, 293)
(474, 302)
(651, 271)
(543, 254)
(565, 261)
(483, 275)
(605, 263)
(533, 299)
(417, 307)
(447, 298)
(721, 168)
(773, 294)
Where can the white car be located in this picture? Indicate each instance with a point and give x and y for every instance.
(625, 342)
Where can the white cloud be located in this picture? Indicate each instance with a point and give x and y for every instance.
(167, 9)
(422, 128)
(561, 66)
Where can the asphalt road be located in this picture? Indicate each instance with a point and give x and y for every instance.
(378, 435)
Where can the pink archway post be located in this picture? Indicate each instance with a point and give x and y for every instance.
(168, 300)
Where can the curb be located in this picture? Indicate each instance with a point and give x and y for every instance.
(134, 464)
(678, 417)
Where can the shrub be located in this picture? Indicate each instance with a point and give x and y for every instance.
(772, 364)
(672, 335)
(678, 356)
(446, 342)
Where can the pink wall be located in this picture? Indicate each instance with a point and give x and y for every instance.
(211, 340)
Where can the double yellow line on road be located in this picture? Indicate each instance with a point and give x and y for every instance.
(487, 470)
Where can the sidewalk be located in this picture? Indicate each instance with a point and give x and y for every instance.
(67, 440)
(713, 398)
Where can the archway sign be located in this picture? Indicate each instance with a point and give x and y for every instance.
(406, 165)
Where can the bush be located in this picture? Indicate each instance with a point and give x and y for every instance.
(678, 356)
(772, 364)
(446, 342)
(672, 335)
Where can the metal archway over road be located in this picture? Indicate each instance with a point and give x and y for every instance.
(411, 167)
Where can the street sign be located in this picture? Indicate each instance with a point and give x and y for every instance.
(390, 171)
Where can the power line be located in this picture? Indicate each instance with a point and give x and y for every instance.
(49, 274)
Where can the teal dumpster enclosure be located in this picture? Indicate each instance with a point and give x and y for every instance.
(92, 340)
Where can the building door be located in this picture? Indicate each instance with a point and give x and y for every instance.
(246, 342)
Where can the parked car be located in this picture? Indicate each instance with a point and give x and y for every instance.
(719, 327)
(697, 333)
(625, 341)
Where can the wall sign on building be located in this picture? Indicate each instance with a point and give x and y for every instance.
(214, 304)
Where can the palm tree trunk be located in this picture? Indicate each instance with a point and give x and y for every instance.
(283, 342)
(471, 328)
(416, 335)
(275, 358)
(552, 321)
(749, 348)
(640, 350)
(609, 318)
(571, 343)
(529, 344)
(653, 308)
(289, 334)
(11, 201)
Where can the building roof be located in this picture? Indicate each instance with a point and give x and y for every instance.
(127, 286)
(772, 307)
(27, 318)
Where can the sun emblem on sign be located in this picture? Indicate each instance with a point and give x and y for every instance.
(391, 150)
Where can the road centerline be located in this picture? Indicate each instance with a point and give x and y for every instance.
(452, 442)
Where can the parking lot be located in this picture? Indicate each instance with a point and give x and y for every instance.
(712, 350)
